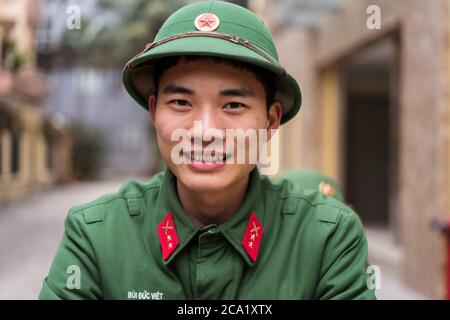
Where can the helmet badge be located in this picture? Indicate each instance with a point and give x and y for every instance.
(207, 22)
(326, 188)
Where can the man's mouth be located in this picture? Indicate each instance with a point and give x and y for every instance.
(206, 157)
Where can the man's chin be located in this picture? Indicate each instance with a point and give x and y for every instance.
(204, 181)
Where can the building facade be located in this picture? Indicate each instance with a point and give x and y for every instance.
(34, 147)
(375, 117)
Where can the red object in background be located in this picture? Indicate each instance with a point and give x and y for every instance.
(443, 225)
(6, 81)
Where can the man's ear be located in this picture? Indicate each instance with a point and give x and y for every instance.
(152, 108)
(273, 118)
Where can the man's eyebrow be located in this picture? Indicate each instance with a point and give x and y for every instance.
(173, 88)
(237, 92)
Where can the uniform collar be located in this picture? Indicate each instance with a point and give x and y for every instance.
(233, 230)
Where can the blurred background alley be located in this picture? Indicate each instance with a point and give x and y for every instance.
(375, 79)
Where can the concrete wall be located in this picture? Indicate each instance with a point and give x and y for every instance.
(301, 134)
(423, 154)
(33, 171)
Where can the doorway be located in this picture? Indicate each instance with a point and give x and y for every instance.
(370, 137)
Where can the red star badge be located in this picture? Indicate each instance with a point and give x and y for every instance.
(168, 237)
(207, 22)
(252, 236)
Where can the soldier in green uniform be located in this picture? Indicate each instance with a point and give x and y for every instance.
(205, 228)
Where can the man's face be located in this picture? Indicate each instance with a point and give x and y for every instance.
(221, 97)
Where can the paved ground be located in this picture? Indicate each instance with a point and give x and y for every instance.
(30, 231)
(393, 289)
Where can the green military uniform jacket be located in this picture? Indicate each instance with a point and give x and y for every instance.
(310, 247)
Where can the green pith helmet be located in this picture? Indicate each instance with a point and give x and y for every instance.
(311, 179)
(218, 29)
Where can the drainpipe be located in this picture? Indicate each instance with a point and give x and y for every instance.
(443, 225)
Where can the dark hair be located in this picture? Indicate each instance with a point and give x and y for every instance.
(266, 77)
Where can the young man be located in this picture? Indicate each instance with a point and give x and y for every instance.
(208, 227)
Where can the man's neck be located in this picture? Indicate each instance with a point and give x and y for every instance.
(206, 208)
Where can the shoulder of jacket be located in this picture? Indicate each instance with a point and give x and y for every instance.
(297, 200)
(128, 197)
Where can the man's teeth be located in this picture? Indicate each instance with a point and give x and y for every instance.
(208, 157)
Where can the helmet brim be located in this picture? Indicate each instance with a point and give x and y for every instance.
(138, 73)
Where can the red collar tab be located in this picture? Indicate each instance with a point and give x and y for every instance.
(168, 237)
(252, 236)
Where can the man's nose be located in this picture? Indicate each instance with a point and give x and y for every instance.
(207, 127)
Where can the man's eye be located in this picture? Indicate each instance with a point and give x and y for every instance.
(180, 103)
(233, 105)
